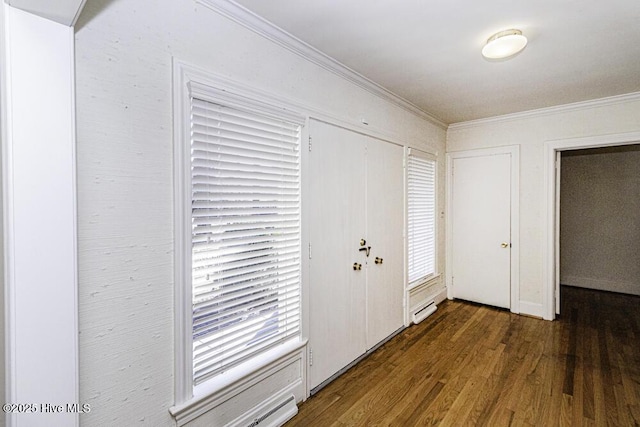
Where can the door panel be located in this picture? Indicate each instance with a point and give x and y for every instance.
(385, 224)
(481, 223)
(337, 218)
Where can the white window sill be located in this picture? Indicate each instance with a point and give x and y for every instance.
(215, 391)
(425, 281)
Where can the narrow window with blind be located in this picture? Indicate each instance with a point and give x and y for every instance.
(421, 212)
(245, 234)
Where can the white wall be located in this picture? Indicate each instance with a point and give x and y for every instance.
(124, 51)
(600, 219)
(530, 131)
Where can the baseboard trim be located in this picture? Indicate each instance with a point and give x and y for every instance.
(355, 362)
(440, 296)
(601, 284)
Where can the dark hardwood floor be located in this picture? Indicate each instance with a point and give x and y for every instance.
(469, 364)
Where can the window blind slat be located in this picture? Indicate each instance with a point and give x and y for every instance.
(203, 239)
(211, 368)
(239, 295)
(227, 115)
(421, 217)
(245, 177)
(244, 163)
(286, 175)
(212, 128)
(203, 346)
(234, 330)
(208, 263)
(236, 345)
(231, 143)
(246, 336)
(212, 229)
(205, 291)
(233, 311)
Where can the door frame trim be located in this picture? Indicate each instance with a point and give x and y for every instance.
(551, 265)
(514, 151)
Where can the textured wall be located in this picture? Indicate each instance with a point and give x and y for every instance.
(530, 133)
(600, 219)
(124, 51)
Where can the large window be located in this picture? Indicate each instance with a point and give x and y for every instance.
(421, 221)
(244, 191)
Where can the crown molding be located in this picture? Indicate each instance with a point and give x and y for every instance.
(65, 12)
(277, 35)
(541, 112)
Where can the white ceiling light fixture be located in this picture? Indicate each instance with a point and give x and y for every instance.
(504, 44)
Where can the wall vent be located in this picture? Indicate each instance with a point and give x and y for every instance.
(424, 312)
(277, 415)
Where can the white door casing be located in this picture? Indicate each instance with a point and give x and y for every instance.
(482, 227)
(557, 231)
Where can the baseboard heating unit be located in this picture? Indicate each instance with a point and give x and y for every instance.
(424, 312)
(278, 414)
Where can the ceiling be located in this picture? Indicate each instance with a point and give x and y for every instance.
(428, 52)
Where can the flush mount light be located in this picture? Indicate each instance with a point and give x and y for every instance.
(504, 44)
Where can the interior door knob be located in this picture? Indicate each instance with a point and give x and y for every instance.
(357, 266)
(378, 260)
(504, 245)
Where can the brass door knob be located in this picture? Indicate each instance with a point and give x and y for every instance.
(363, 242)
(357, 266)
(378, 260)
(504, 245)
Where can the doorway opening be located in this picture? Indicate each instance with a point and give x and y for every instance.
(552, 159)
(600, 219)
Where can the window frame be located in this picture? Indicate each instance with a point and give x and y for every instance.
(192, 82)
(413, 152)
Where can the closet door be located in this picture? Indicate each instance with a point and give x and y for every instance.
(481, 227)
(337, 202)
(385, 225)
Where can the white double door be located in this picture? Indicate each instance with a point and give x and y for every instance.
(356, 193)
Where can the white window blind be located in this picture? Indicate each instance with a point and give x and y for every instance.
(245, 180)
(421, 209)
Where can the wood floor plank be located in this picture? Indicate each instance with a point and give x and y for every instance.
(469, 364)
(566, 410)
(634, 413)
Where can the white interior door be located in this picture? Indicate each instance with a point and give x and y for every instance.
(481, 229)
(385, 224)
(337, 217)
